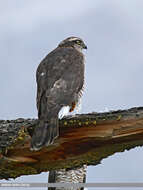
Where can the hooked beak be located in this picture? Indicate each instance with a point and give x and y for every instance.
(84, 46)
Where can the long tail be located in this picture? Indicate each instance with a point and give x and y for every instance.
(44, 134)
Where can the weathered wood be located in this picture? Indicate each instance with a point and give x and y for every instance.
(84, 139)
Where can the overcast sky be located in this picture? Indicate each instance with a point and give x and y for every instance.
(113, 32)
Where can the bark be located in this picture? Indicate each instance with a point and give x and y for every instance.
(84, 139)
(67, 176)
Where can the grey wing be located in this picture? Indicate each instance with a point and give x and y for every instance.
(60, 78)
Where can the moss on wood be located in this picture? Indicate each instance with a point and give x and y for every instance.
(84, 139)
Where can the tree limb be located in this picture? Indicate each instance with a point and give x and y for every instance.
(84, 139)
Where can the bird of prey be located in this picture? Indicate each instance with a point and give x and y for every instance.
(60, 79)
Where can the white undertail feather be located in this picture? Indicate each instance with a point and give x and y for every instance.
(64, 112)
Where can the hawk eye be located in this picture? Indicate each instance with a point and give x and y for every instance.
(78, 42)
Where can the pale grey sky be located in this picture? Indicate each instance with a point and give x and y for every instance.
(112, 31)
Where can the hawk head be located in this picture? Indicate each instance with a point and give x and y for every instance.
(74, 42)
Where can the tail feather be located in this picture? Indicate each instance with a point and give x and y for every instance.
(44, 134)
(54, 132)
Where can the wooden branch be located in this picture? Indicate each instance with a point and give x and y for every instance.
(84, 139)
